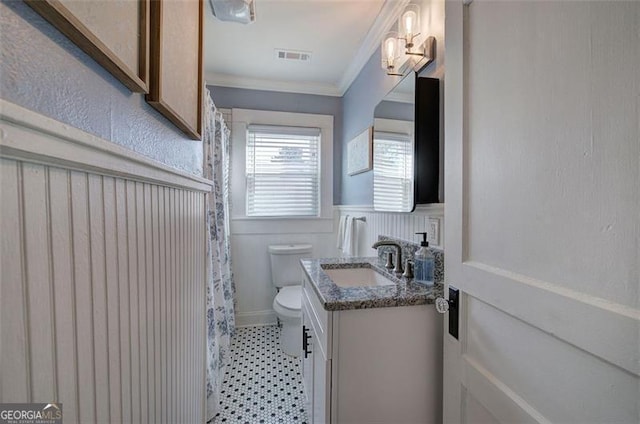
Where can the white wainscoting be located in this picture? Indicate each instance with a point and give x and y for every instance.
(398, 225)
(103, 277)
(251, 264)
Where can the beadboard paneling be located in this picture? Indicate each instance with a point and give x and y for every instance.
(103, 293)
(84, 300)
(397, 225)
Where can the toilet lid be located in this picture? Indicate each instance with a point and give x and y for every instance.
(290, 297)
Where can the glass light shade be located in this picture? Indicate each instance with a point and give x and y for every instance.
(390, 50)
(410, 24)
(242, 11)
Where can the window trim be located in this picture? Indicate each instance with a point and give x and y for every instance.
(241, 119)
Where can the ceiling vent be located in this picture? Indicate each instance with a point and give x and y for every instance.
(293, 55)
(242, 11)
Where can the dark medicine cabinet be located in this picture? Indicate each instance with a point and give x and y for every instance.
(406, 145)
(427, 140)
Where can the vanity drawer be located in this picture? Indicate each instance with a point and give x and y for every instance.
(320, 319)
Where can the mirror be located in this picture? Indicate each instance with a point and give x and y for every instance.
(393, 148)
(405, 149)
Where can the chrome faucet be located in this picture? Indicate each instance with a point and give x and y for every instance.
(398, 268)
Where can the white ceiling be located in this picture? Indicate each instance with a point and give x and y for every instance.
(340, 34)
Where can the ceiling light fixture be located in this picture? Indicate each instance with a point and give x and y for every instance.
(242, 11)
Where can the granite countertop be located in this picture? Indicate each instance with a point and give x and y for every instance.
(334, 298)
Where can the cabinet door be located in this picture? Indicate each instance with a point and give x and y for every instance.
(307, 360)
(321, 388)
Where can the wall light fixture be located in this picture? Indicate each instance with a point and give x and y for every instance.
(408, 50)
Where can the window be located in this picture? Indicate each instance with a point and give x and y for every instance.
(392, 171)
(283, 171)
(248, 216)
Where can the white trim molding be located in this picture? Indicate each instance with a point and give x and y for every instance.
(256, 318)
(302, 87)
(255, 226)
(28, 135)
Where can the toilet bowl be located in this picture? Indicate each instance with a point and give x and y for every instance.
(286, 275)
(287, 304)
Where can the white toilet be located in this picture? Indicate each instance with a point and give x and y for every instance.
(286, 274)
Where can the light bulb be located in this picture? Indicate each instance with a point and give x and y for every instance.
(390, 50)
(409, 19)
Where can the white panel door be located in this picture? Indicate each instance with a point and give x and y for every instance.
(542, 160)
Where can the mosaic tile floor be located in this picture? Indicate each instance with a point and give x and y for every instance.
(262, 384)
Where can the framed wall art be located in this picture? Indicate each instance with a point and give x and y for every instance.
(359, 153)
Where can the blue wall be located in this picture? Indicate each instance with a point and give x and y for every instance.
(358, 103)
(226, 97)
(41, 70)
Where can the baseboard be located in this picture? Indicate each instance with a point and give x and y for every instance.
(256, 318)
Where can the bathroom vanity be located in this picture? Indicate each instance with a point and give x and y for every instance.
(372, 344)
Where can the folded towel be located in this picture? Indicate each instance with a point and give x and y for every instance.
(349, 245)
(341, 228)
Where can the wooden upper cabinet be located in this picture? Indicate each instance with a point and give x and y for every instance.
(175, 66)
(151, 46)
(113, 33)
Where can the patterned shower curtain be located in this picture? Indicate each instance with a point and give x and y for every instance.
(220, 287)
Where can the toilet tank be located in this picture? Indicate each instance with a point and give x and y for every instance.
(285, 263)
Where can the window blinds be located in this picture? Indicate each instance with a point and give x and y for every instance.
(283, 171)
(392, 171)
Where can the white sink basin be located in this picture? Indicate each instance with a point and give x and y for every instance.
(357, 277)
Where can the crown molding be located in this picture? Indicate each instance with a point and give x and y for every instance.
(389, 14)
(235, 81)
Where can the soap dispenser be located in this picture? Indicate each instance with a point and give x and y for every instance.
(423, 265)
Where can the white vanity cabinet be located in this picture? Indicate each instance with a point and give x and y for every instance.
(316, 362)
(376, 365)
